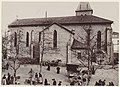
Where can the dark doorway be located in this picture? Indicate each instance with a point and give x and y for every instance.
(36, 52)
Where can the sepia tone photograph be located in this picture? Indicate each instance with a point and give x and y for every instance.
(60, 43)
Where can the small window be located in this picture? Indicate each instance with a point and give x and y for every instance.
(79, 55)
(15, 40)
(39, 36)
(27, 39)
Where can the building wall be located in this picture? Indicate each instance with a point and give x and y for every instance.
(116, 44)
(63, 38)
(79, 31)
(23, 50)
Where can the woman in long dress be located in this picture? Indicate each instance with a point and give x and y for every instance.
(4, 80)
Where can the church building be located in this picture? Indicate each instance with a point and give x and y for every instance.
(63, 38)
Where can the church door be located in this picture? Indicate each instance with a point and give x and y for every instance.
(36, 52)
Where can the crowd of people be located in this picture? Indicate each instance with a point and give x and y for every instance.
(54, 82)
(35, 78)
(103, 83)
(7, 79)
(38, 78)
(78, 79)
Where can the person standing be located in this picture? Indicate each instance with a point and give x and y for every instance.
(12, 79)
(8, 79)
(93, 70)
(54, 82)
(59, 84)
(40, 75)
(58, 70)
(40, 78)
(31, 74)
(79, 81)
(72, 83)
(103, 82)
(96, 83)
(36, 75)
(45, 82)
(100, 82)
(4, 80)
(111, 84)
(48, 68)
(7, 66)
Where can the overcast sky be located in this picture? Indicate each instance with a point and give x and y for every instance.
(12, 10)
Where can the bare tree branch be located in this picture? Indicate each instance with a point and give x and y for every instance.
(93, 37)
(18, 67)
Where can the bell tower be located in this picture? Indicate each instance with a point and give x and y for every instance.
(84, 9)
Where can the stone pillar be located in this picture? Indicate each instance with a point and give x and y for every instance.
(31, 44)
(31, 51)
(110, 45)
(70, 52)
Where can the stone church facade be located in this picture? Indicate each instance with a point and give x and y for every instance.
(61, 37)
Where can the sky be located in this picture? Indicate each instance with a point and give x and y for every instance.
(13, 10)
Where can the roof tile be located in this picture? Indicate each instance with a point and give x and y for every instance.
(61, 20)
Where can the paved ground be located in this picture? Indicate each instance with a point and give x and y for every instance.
(23, 72)
(109, 75)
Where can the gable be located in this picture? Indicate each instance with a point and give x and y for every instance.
(78, 45)
(58, 25)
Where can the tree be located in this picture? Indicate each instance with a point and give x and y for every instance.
(4, 47)
(90, 42)
(11, 45)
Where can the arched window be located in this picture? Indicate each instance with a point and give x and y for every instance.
(27, 39)
(55, 39)
(99, 40)
(15, 40)
(105, 46)
(39, 36)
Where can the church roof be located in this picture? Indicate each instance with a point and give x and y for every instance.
(83, 6)
(87, 19)
(78, 45)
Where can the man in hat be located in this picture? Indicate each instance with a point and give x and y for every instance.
(54, 82)
(58, 70)
(59, 84)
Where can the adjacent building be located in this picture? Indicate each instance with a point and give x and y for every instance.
(115, 39)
